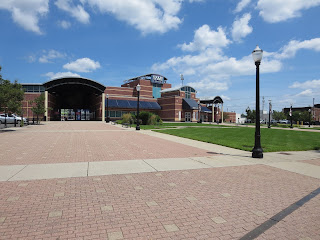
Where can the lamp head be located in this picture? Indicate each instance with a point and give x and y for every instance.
(257, 54)
(138, 87)
(107, 95)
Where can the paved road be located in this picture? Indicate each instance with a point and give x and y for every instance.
(92, 180)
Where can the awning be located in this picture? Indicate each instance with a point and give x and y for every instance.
(205, 109)
(113, 103)
(188, 104)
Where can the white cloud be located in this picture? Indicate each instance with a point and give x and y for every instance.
(289, 50)
(241, 28)
(52, 75)
(64, 24)
(76, 11)
(241, 5)
(26, 13)
(148, 16)
(82, 65)
(305, 93)
(280, 10)
(50, 55)
(204, 37)
(209, 85)
(311, 84)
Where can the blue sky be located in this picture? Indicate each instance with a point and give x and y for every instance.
(209, 41)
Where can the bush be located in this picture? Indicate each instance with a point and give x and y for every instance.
(148, 118)
(127, 118)
(144, 117)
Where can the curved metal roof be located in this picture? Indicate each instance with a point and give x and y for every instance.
(216, 100)
(74, 80)
(176, 89)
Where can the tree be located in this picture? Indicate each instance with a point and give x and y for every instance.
(11, 95)
(39, 108)
(278, 115)
(251, 114)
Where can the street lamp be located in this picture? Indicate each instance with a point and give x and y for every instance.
(290, 113)
(269, 126)
(107, 119)
(199, 121)
(138, 87)
(309, 116)
(257, 150)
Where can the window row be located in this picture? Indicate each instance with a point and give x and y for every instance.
(118, 114)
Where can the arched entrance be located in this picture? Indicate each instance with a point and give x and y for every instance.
(74, 98)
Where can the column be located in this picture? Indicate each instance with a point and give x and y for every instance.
(46, 105)
(103, 106)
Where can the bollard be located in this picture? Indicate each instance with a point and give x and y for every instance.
(15, 122)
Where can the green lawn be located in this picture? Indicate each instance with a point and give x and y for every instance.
(272, 140)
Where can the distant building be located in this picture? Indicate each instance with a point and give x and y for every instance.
(80, 99)
(315, 111)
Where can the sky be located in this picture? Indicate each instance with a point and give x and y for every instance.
(208, 41)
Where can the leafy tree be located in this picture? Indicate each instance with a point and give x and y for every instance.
(278, 115)
(300, 116)
(11, 95)
(251, 114)
(38, 108)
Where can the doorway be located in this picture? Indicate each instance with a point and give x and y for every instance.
(188, 116)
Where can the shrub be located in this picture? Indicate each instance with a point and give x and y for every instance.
(127, 118)
(148, 118)
(144, 117)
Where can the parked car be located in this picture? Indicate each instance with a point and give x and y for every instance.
(284, 121)
(273, 121)
(18, 118)
(6, 118)
(9, 118)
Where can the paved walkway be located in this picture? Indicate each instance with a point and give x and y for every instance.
(91, 180)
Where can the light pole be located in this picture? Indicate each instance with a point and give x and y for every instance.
(290, 113)
(199, 121)
(269, 126)
(309, 115)
(107, 119)
(138, 87)
(257, 151)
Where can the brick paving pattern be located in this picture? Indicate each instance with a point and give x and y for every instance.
(209, 203)
(46, 145)
(157, 210)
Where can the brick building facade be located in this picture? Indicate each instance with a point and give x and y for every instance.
(84, 99)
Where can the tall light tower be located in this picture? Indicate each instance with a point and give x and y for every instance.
(182, 78)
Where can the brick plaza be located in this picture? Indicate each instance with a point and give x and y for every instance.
(180, 190)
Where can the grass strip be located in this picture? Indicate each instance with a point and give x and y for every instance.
(272, 140)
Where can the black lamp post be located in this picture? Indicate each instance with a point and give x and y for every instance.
(309, 116)
(269, 126)
(107, 119)
(290, 113)
(199, 121)
(138, 87)
(257, 151)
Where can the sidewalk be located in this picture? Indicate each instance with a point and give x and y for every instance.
(77, 181)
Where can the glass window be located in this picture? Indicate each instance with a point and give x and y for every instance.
(118, 113)
(112, 113)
